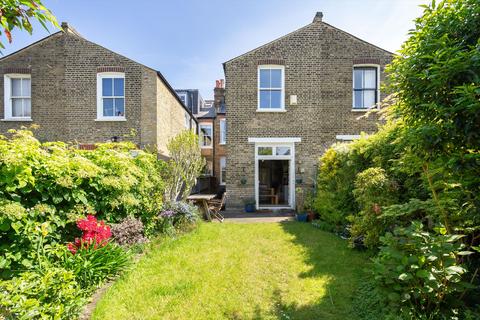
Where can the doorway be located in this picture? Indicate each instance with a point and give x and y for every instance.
(273, 183)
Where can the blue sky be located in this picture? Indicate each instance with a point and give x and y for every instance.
(188, 40)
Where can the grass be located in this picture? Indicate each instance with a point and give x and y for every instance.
(240, 271)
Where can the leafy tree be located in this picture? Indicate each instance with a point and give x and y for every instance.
(19, 13)
(185, 165)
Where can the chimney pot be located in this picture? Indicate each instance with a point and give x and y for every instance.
(318, 17)
(64, 25)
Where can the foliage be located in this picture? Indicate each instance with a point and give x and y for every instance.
(419, 271)
(177, 216)
(51, 294)
(18, 14)
(185, 165)
(128, 232)
(94, 233)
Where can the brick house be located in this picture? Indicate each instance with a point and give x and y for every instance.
(78, 91)
(290, 99)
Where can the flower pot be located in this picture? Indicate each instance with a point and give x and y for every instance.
(301, 217)
(311, 216)
(249, 207)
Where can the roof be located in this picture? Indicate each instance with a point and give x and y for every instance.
(209, 114)
(67, 29)
(316, 21)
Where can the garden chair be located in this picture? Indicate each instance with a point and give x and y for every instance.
(215, 206)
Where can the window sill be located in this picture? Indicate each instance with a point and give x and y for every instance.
(222, 143)
(17, 119)
(111, 119)
(271, 110)
(203, 147)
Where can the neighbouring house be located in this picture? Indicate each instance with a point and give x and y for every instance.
(212, 130)
(78, 91)
(291, 98)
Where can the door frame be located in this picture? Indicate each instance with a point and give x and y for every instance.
(276, 142)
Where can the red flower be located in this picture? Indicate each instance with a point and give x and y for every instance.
(93, 232)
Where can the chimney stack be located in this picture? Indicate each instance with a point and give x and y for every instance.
(218, 94)
(64, 26)
(318, 17)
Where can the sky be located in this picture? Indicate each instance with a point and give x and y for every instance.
(188, 40)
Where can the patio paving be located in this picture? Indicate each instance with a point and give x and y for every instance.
(239, 216)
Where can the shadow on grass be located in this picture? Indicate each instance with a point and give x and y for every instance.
(330, 257)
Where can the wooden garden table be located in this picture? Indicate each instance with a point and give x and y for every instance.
(202, 201)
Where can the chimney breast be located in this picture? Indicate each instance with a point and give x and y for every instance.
(64, 25)
(318, 17)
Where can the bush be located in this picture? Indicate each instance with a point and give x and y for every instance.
(52, 294)
(419, 271)
(128, 232)
(177, 216)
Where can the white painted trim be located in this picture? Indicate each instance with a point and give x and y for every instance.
(223, 133)
(347, 137)
(282, 89)
(100, 76)
(274, 140)
(17, 119)
(377, 105)
(184, 95)
(200, 125)
(280, 142)
(7, 94)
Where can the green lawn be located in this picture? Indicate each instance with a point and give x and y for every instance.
(240, 271)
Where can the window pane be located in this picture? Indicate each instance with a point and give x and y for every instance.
(264, 78)
(27, 107)
(276, 99)
(119, 107)
(370, 79)
(358, 99)
(17, 108)
(265, 99)
(107, 107)
(276, 78)
(206, 136)
(107, 87)
(265, 151)
(283, 151)
(26, 87)
(16, 87)
(119, 87)
(368, 98)
(357, 79)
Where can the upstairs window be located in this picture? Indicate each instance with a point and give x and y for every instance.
(271, 88)
(111, 96)
(365, 87)
(18, 100)
(206, 135)
(223, 131)
(183, 98)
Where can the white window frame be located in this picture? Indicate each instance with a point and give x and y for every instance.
(282, 89)
(100, 77)
(200, 126)
(222, 164)
(377, 105)
(187, 120)
(185, 96)
(8, 105)
(223, 131)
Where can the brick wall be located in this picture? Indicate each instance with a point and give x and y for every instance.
(318, 62)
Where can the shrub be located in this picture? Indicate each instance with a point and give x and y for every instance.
(177, 216)
(128, 232)
(419, 271)
(52, 294)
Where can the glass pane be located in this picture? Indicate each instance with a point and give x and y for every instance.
(370, 79)
(265, 151)
(276, 99)
(27, 107)
(16, 87)
(265, 99)
(368, 98)
(107, 87)
(283, 151)
(264, 78)
(276, 78)
(119, 87)
(26, 87)
(357, 79)
(358, 99)
(17, 108)
(119, 107)
(108, 107)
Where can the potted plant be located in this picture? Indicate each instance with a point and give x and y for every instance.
(309, 200)
(249, 205)
(301, 216)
